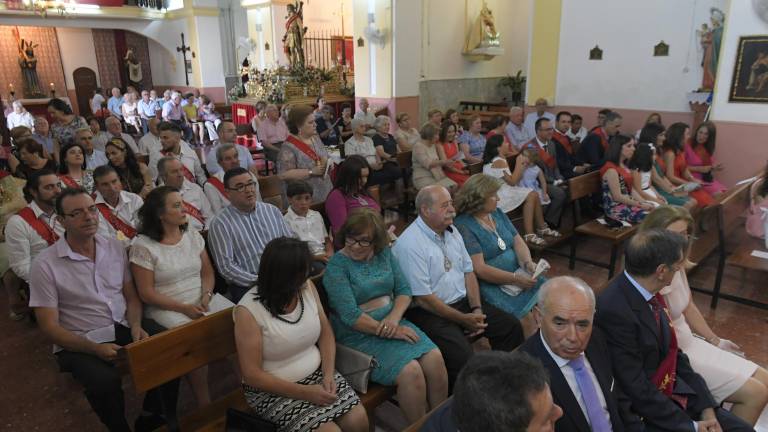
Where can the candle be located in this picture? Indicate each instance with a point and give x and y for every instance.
(11, 86)
(52, 86)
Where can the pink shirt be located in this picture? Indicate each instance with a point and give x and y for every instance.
(338, 206)
(87, 294)
(272, 132)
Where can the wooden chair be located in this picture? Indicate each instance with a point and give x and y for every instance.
(271, 188)
(405, 160)
(475, 168)
(583, 186)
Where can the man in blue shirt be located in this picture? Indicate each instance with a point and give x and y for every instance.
(115, 103)
(436, 264)
(147, 109)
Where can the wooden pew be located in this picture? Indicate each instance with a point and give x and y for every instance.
(271, 189)
(475, 168)
(583, 186)
(178, 351)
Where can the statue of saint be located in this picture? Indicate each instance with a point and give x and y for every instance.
(293, 41)
(483, 33)
(133, 69)
(710, 38)
(28, 63)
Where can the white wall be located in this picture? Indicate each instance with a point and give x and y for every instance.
(209, 49)
(76, 46)
(373, 63)
(327, 15)
(629, 76)
(446, 31)
(407, 23)
(741, 21)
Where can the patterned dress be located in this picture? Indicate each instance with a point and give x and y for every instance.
(65, 133)
(618, 210)
(478, 239)
(350, 283)
(291, 157)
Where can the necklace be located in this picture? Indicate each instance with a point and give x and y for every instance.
(301, 313)
(447, 265)
(499, 241)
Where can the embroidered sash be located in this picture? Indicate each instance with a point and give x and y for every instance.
(40, 227)
(194, 212)
(68, 181)
(187, 173)
(603, 137)
(564, 141)
(117, 223)
(219, 186)
(543, 154)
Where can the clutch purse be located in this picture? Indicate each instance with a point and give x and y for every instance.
(355, 366)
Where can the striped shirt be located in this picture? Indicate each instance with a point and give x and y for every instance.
(237, 240)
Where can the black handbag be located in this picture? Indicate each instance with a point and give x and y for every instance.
(239, 421)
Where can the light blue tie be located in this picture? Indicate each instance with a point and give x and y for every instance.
(598, 418)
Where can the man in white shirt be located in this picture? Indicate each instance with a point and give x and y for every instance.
(20, 117)
(118, 209)
(272, 131)
(217, 195)
(150, 142)
(146, 109)
(198, 209)
(115, 103)
(541, 111)
(577, 360)
(97, 100)
(367, 116)
(115, 129)
(100, 138)
(227, 134)
(173, 146)
(93, 158)
(34, 227)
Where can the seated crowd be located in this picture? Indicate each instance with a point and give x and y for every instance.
(121, 234)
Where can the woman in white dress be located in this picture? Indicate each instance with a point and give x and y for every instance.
(512, 196)
(172, 271)
(130, 109)
(729, 376)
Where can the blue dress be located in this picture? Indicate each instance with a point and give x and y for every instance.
(350, 283)
(478, 239)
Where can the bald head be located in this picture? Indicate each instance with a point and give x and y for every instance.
(565, 314)
(565, 289)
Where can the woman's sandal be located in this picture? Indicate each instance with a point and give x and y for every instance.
(549, 232)
(534, 239)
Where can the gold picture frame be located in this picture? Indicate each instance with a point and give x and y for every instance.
(750, 72)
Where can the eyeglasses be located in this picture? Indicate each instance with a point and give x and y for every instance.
(349, 241)
(243, 187)
(80, 212)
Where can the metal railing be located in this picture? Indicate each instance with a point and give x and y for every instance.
(326, 49)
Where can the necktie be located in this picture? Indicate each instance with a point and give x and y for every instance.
(598, 418)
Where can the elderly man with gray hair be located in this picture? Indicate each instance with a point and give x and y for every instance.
(19, 116)
(576, 358)
(215, 191)
(272, 131)
(449, 309)
(366, 116)
(227, 134)
(171, 173)
(516, 131)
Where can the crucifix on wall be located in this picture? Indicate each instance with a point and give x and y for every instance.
(187, 63)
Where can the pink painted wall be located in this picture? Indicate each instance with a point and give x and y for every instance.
(215, 93)
(632, 119)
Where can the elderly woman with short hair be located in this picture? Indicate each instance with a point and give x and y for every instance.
(498, 252)
(19, 116)
(427, 165)
(360, 144)
(406, 135)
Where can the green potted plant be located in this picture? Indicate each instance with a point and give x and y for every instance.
(515, 84)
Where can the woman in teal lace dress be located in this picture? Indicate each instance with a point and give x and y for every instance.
(368, 295)
(497, 250)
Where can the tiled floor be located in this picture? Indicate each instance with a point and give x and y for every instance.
(35, 396)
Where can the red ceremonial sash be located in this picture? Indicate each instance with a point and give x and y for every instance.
(543, 154)
(4, 174)
(219, 186)
(40, 227)
(666, 374)
(115, 221)
(68, 181)
(194, 212)
(621, 172)
(603, 137)
(303, 147)
(564, 141)
(187, 173)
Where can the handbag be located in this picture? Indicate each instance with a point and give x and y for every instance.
(239, 421)
(355, 366)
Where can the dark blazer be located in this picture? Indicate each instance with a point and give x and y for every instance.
(551, 174)
(632, 335)
(591, 151)
(574, 419)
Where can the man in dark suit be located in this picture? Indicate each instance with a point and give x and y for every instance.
(579, 367)
(647, 364)
(565, 148)
(543, 145)
(592, 149)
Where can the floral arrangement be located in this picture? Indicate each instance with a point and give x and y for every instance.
(268, 84)
(236, 92)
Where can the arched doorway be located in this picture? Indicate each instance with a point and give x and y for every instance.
(85, 84)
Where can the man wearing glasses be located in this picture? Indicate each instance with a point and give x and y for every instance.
(85, 302)
(542, 144)
(227, 158)
(241, 231)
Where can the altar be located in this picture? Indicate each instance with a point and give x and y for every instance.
(244, 109)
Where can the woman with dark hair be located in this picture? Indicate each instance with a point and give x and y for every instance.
(31, 158)
(286, 348)
(641, 167)
(675, 166)
(653, 135)
(427, 165)
(171, 269)
(65, 122)
(498, 126)
(134, 175)
(699, 154)
(72, 170)
(452, 117)
(757, 218)
(449, 150)
(472, 142)
(619, 201)
(512, 196)
(303, 155)
(369, 294)
(350, 191)
(346, 121)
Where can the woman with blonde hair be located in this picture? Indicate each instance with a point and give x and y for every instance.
(729, 376)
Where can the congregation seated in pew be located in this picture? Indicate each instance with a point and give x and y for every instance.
(381, 169)
(118, 209)
(675, 167)
(350, 192)
(308, 224)
(653, 136)
(448, 149)
(134, 175)
(227, 158)
(472, 142)
(619, 201)
(428, 167)
(195, 203)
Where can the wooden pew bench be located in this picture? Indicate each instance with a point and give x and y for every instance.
(178, 351)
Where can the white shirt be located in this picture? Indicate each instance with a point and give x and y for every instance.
(128, 205)
(531, 118)
(194, 195)
(186, 156)
(96, 102)
(149, 144)
(219, 201)
(570, 378)
(580, 135)
(100, 140)
(24, 243)
(23, 119)
(309, 228)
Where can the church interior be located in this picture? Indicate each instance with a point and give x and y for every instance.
(687, 62)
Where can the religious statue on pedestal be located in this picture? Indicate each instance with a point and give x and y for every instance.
(28, 64)
(133, 69)
(293, 41)
(710, 38)
(483, 33)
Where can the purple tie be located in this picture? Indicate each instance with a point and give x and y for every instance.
(597, 416)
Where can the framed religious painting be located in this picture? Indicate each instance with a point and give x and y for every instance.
(750, 73)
